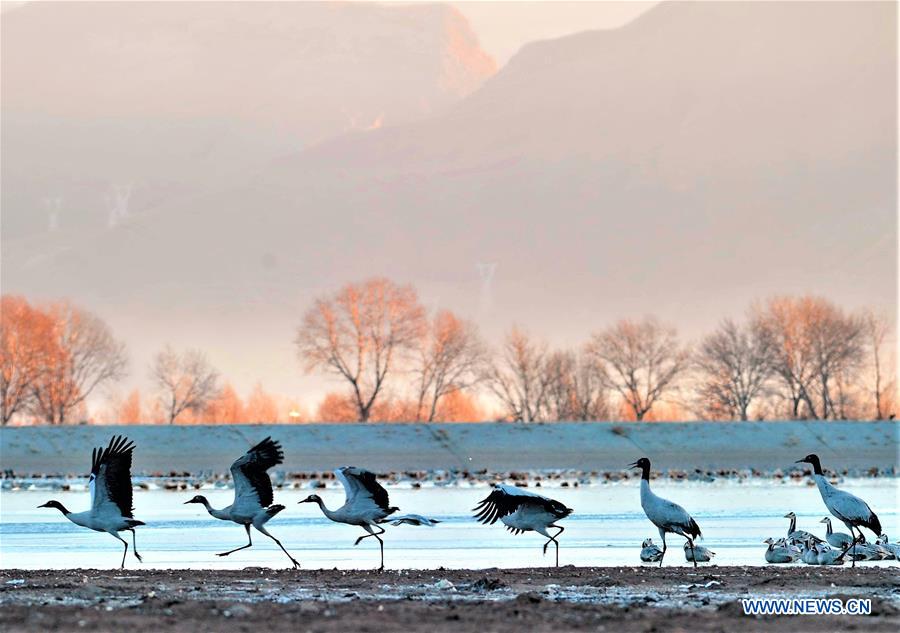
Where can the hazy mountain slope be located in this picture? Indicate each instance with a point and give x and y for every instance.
(176, 98)
(704, 155)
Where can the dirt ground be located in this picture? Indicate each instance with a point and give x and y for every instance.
(520, 600)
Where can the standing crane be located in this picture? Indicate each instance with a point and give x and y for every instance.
(850, 509)
(111, 495)
(665, 515)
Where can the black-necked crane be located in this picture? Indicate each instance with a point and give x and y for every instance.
(667, 516)
(253, 497)
(111, 495)
(522, 511)
(850, 509)
(366, 505)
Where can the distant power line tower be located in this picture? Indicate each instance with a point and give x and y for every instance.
(54, 206)
(486, 271)
(117, 204)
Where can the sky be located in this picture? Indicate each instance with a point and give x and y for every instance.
(503, 27)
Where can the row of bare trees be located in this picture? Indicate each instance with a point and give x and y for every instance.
(52, 358)
(790, 357)
(225, 406)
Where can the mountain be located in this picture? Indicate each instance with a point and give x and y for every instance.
(698, 158)
(160, 102)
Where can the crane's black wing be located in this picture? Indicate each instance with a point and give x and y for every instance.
(359, 482)
(110, 480)
(250, 475)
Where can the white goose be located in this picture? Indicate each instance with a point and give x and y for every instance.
(836, 539)
(665, 515)
(111, 495)
(650, 552)
(850, 509)
(366, 505)
(698, 554)
(869, 551)
(827, 556)
(780, 552)
(252, 493)
(413, 519)
(892, 548)
(522, 511)
(808, 552)
(796, 536)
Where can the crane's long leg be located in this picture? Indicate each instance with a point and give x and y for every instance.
(851, 549)
(368, 528)
(663, 553)
(236, 549)
(553, 539)
(693, 555)
(134, 549)
(263, 530)
(125, 543)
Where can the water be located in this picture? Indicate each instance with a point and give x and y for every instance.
(606, 529)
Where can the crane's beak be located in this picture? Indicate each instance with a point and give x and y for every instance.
(800, 461)
(187, 502)
(633, 465)
(44, 505)
(787, 516)
(305, 501)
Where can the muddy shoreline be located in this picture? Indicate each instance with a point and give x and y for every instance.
(531, 599)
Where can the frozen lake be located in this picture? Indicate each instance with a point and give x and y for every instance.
(606, 529)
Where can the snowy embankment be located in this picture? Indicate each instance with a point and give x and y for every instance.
(761, 447)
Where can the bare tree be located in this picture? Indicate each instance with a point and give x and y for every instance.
(519, 377)
(80, 356)
(735, 362)
(877, 328)
(576, 387)
(450, 358)
(24, 331)
(818, 348)
(186, 381)
(360, 333)
(641, 361)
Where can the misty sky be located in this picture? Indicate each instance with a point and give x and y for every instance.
(198, 174)
(503, 27)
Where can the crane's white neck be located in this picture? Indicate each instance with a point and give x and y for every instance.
(218, 514)
(821, 484)
(328, 513)
(646, 493)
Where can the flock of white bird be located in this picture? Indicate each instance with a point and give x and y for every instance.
(812, 550)
(367, 506)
